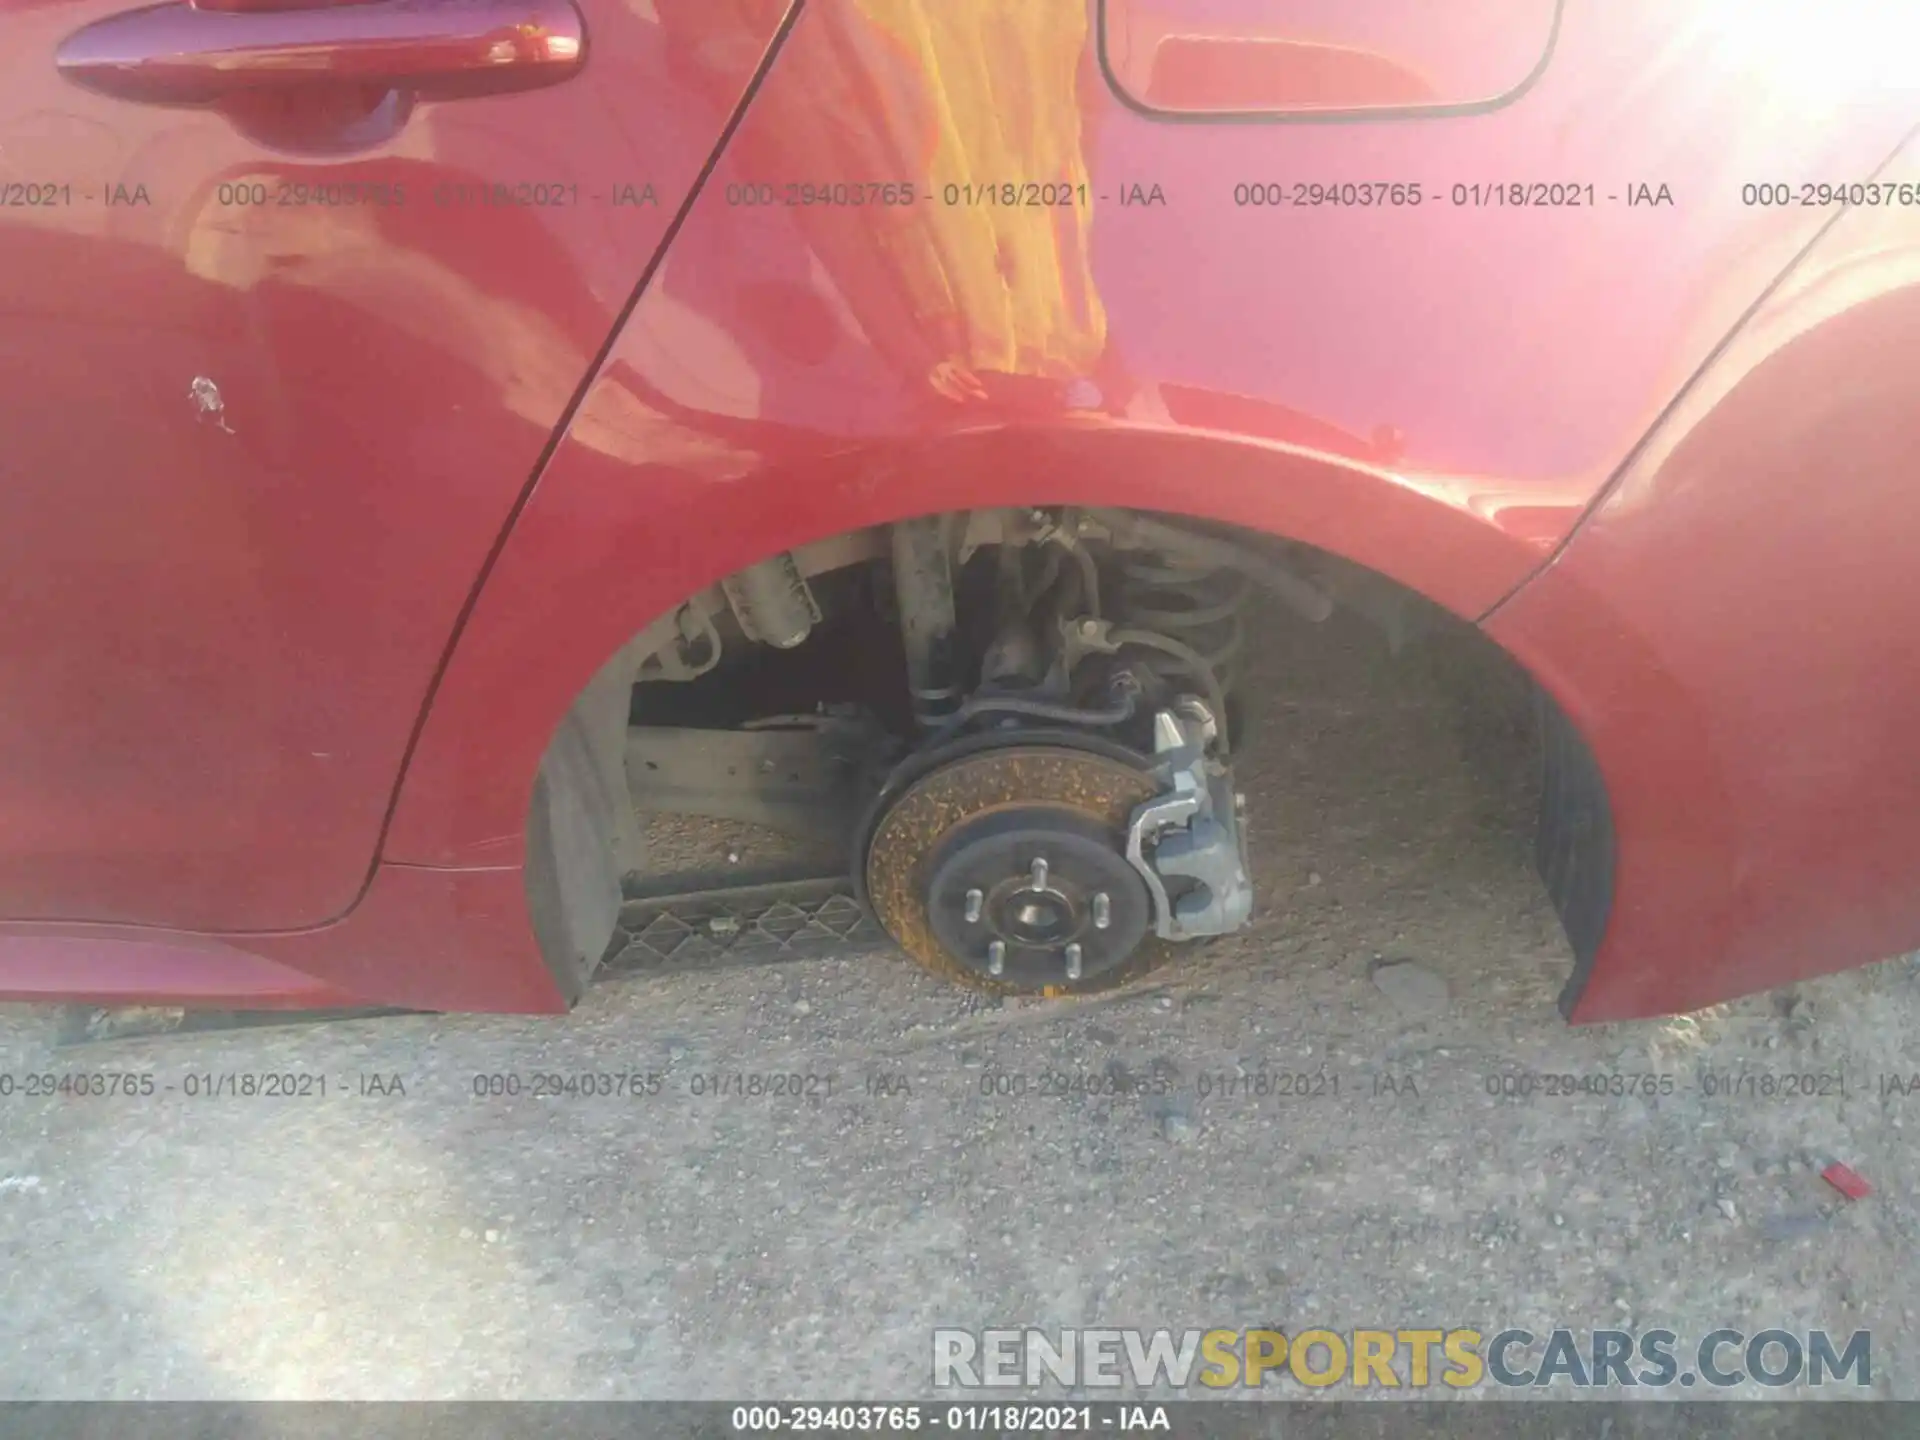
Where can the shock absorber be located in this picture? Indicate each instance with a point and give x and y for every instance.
(1193, 603)
(923, 588)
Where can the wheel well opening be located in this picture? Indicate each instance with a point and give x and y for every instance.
(750, 730)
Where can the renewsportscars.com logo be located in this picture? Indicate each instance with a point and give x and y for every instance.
(1392, 1359)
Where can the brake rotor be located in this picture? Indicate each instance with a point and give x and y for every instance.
(1006, 869)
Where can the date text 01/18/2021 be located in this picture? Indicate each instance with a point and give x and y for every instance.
(1478, 195)
(978, 194)
(1707, 1084)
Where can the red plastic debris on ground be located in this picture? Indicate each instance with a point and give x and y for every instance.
(1846, 1181)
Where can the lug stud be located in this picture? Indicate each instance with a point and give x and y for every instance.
(1073, 961)
(975, 900)
(1102, 911)
(996, 957)
(1037, 874)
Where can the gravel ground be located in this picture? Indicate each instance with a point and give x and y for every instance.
(378, 1244)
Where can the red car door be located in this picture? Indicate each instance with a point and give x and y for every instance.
(291, 301)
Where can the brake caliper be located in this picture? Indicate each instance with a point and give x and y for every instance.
(1189, 842)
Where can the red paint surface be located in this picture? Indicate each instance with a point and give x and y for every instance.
(216, 643)
(424, 939)
(1728, 631)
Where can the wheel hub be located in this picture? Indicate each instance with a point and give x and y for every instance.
(1007, 866)
(1035, 896)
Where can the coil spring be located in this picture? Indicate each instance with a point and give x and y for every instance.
(1191, 601)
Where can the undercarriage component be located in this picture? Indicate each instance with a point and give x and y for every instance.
(1130, 530)
(1119, 710)
(1087, 636)
(742, 925)
(1065, 806)
(1004, 866)
(1036, 895)
(1035, 861)
(1157, 609)
(690, 650)
(806, 775)
(923, 591)
(772, 602)
(1196, 604)
(1188, 844)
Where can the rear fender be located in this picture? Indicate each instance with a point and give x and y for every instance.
(606, 549)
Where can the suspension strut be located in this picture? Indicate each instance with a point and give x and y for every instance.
(923, 589)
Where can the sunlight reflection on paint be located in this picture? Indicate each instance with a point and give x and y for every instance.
(1816, 56)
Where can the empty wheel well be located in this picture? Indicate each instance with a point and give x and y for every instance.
(771, 703)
